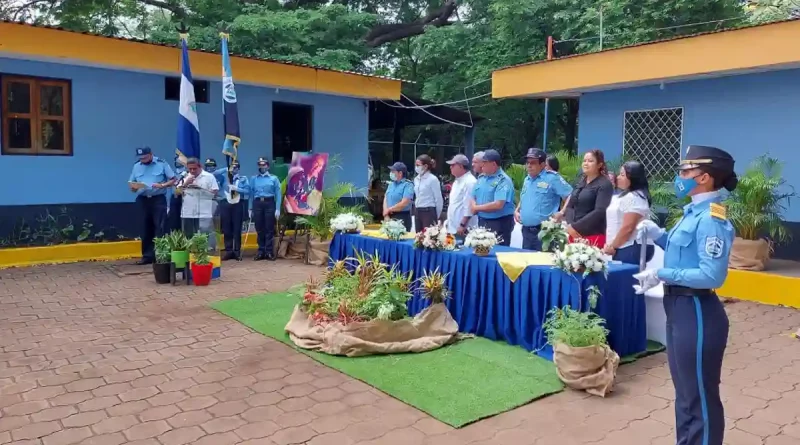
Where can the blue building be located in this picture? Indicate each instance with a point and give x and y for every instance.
(737, 89)
(75, 106)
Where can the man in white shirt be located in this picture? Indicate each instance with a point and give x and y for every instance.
(459, 217)
(199, 190)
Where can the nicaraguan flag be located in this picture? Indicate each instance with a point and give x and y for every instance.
(230, 109)
(188, 126)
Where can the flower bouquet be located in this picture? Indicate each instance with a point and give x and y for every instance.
(393, 229)
(347, 223)
(553, 235)
(580, 257)
(435, 237)
(481, 240)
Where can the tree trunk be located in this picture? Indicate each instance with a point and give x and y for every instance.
(391, 32)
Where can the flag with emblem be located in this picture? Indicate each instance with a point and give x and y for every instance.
(230, 111)
(188, 125)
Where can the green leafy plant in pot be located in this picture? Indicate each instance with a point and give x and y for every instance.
(201, 266)
(179, 248)
(161, 268)
(755, 208)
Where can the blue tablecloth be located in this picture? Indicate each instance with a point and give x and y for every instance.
(486, 303)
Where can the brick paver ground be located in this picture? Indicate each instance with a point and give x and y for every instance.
(88, 357)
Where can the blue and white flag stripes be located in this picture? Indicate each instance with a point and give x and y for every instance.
(230, 109)
(188, 125)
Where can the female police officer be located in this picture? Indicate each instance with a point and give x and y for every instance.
(696, 253)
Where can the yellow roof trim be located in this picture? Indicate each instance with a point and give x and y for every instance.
(57, 45)
(755, 48)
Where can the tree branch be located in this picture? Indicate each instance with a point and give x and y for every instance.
(166, 4)
(383, 34)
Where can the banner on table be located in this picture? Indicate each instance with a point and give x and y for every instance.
(304, 183)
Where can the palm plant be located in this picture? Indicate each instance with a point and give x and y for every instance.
(330, 207)
(569, 165)
(667, 204)
(517, 173)
(756, 207)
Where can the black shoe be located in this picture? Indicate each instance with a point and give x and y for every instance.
(271, 257)
(228, 256)
(259, 257)
(144, 262)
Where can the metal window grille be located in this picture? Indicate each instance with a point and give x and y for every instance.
(654, 137)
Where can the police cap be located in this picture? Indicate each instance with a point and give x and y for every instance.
(536, 154)
(492, 155)
(142, 151)
(235, 164)
(399, 167)
(698, 156)
(210, 162)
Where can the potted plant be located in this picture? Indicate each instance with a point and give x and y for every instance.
(161, 268)
(553, 235)
(200, 265)
(393, 229)
(580, 257)
(481, 240)
(755, 208)
(178, 246)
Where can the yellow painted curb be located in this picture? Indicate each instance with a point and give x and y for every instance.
(762, 287)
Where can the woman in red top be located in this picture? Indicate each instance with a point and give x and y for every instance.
(585, 210)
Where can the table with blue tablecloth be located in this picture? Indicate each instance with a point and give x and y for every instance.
(487, 303)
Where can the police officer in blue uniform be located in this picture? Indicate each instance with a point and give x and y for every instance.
(541, 196)
(175, 199)
(493, 198)
(399, 195)
(157, 176)
(232, 214)
(266, 189)
(696, 254)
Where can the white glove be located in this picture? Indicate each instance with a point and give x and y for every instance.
(277, 214)
(249, 214)
(233, 188)
(650, 230)
(648, 279)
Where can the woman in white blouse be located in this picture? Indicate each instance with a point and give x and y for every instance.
(626, 210)
(428, 200)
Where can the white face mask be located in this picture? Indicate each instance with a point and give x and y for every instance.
(419, 169)
(393, 176)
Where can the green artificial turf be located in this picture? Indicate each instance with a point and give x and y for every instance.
(653, 347)
(457, 384)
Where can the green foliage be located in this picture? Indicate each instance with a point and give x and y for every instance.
(756, 207)
(198, 247)
(666, 203)
(163, 250)
(569, 165)
(576, 328)
(330, 207)
(517, 173)
(177, 241)
(53, 228)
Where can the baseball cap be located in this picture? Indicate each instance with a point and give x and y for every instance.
(142, 151)
(492, 155)
(399, 167)
(536, 153)
(459, 159)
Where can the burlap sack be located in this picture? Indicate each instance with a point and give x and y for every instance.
(591, 368)
(430, 329)
(749, 255)
(296, 249)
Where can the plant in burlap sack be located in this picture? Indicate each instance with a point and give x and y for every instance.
(371, 291)
(481, 240)
(393, 229)
(553, 235)
(756, 208)
(347, 222)
(435, 237)
(580, 257)
(581, 353)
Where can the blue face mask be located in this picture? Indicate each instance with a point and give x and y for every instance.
(262, 170)
(684, 186)
(210, 169)
(393, 176)
(235, 170)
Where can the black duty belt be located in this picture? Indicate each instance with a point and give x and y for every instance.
(426, 208)
(536, 227)
(683, 291)
(265, 198)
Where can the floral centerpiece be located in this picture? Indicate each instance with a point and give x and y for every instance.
(435, 237)
(347, 223)
(481, 240)
(553, 235)
(393, 229)
(580, 257)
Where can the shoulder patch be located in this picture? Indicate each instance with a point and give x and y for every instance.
(718, 211)
(714, 246)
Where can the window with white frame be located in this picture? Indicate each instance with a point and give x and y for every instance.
(654, 137)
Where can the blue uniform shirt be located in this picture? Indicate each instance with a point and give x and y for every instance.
(221, 175)
(397, 190)
(241, 182)
(491, 188)
(697, 249)
(265, 186)
(541, 197)
(155, 172)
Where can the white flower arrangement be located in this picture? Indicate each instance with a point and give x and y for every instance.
(347, 222)
(580, 257)
(554, 235)
(393, 229)
(481, 239)
(435, 237)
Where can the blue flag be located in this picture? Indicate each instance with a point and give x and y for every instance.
(188, 126)
(230, 110)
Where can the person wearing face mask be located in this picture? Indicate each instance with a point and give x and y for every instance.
(232, 215)
(428, 200)
(176, 199)
(399, 195)
(266, 190)
(150, 179)
(696, 255)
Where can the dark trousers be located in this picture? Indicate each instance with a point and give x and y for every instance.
(697, 332)
(153, 211)
(404, 217)
(502, 226)
(174, 215)
(264, 217)
(632, 253)
(530, 238)
(425, 217)
(231, 217)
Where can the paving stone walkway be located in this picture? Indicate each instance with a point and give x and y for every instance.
(89, 357)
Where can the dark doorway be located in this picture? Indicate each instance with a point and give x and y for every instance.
(291, 129)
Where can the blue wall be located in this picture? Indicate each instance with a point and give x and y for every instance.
(746, 115)
(115, 111)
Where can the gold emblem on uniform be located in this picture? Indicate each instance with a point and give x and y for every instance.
(719, 211)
